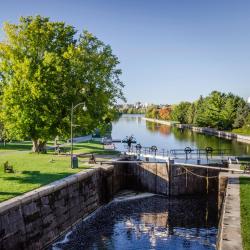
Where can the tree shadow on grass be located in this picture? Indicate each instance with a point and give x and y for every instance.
(87, 147)
(35, 177)
(98, 150)
(245, 180)
(10, 193)
(16, 146)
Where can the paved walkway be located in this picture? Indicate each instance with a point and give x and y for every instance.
(231, 221)
(231, 226)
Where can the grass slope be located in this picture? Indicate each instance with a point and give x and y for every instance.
(245, 211)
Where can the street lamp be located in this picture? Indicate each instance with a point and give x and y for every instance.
(71, 126)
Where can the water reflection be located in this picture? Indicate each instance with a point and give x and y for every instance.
(203, 141)
(130, 118)
(163, 136)
(158, 128)
(149, 223)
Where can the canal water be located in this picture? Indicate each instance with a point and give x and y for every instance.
(154, 222)
(166, 137)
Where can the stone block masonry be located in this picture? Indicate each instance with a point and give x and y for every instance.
(35, 219)
(169, 180)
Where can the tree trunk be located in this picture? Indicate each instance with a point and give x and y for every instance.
(38, 146)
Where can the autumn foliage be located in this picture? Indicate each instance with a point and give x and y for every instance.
(165, 113)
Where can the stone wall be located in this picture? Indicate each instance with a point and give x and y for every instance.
(160, 178)
(33, 220)
(192, 181)
(150, 177)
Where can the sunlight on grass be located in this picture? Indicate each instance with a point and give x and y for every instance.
(245, 211)
(242, 131)
(33, 170)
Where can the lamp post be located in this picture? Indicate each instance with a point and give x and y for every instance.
(71, 127)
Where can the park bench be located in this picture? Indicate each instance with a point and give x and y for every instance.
(8, 168)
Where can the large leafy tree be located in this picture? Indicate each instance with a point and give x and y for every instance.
(230, 109)
(180, 112)
(243, 111)
(44, 69)
(199, 110)
(218, 110)
(214, 104)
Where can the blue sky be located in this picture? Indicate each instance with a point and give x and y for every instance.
(169, 50)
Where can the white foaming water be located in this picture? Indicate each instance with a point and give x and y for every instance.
(130, 195)
(64, 240)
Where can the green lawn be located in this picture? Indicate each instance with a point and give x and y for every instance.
(96, 147)
(34, 170)
(242, 131)
(245, 211)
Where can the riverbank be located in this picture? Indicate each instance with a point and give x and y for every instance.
(215, 132)
(169, 123)
(204, 130)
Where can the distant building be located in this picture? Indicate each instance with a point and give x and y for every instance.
(138, 105)
(248, 100)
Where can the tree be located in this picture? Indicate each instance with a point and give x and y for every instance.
(214, 104)
(191, 113)
(218, 110)
(44, 69)
(180, 111)
(241, 114)
(229, 111)
(152, 112)
(247, 122)
(199, 110)
(165, 113)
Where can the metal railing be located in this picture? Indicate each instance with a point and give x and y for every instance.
(186, 153)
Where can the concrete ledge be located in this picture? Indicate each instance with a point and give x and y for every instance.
(84, 175)
(6, 205)
(230, 224)
(169, 123)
